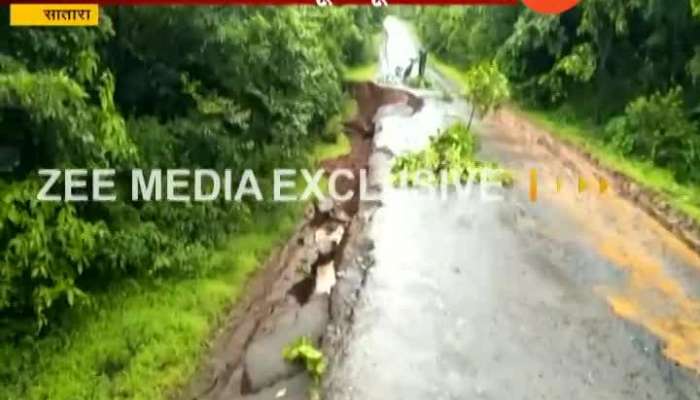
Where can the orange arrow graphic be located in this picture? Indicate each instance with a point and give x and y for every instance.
(582, 185)
(533, 185)
(603, 184)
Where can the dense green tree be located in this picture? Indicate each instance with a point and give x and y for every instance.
(486, 89)
(597, 61)
(152, 87)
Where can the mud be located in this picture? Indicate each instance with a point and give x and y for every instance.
(371, 97)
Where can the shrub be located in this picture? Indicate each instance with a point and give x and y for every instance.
(486, 88)
(657, 128)
(47, 248)
(451, 151)
(303, 350)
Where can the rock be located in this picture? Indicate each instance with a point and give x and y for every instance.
(325, 278)
(336, 235)
(325, 247)
(308, 236)
(340, 215)
(294, 388)
(263, 360)
(325, 206)
(309, 212)
(310, 257)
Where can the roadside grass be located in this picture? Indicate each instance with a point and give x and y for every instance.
(683, 197)
(324, 151)
(336, 142)
(587, 136)
(450, 72)
(339, 146)
(328, 150)
(144, 339)
(367, 72)
(455, 148)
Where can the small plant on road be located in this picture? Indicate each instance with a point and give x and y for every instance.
(304, 351)
(452, 151)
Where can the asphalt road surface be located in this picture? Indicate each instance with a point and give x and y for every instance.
(575, 296)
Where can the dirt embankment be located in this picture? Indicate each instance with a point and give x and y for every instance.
(654, 204)
(371, 96)
(293, 295)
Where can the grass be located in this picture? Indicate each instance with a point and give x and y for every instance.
(450, 72)
(145, 338)
(369, 71)
(340, 144)
(361, 73)
(683, 197)
(328, 150)
(325, 151)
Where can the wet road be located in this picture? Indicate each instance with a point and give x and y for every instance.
(576, 296)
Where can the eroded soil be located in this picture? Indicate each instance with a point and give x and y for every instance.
(291, 296)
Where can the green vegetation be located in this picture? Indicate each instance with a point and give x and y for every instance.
(117, 299)
(451, 72)
(119, 97)
(463, 36)
(485, 87)
(419, 82)
(329, 150)
(450, 153)
(335, 142)
(361, 73)
(366, 67)
(625, 71)
(303, 350)
(338, 146)
(657, 127)
(141, 339)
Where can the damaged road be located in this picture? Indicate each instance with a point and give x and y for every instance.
(303, 290)
(574, 296)
(288, 299)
